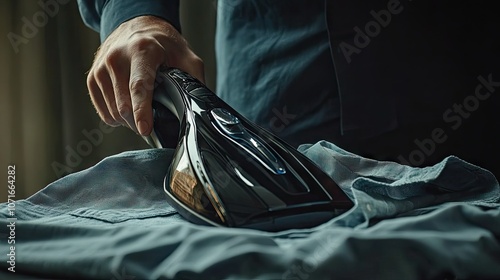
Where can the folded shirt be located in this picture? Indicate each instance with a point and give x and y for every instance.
(111, 221)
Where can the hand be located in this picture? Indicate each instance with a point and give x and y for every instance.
(121, 79)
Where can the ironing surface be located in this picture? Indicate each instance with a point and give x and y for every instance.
(111, 222)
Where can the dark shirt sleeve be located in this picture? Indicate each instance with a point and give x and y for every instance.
(104, 16)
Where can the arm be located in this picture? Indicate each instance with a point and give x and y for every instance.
(104, 16)
(138, 36)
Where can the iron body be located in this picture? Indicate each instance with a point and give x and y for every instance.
(228, 171)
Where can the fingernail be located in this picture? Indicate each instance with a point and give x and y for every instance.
(143, 127)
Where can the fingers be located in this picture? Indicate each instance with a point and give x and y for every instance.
(100, 104)
(120, 73)
(141, 94)
(143, 67)
(106, 86)
(121, 80)
(185, 59)
(122, 90)
(195, 67)
(121, 85)
(110, 97)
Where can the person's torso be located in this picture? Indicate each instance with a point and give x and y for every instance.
(274, 66)
(395, 64)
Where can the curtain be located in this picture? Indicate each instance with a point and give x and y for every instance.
(49, 126)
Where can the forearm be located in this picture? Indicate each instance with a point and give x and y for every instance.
(104, 16)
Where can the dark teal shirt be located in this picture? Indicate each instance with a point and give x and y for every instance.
(274, 66)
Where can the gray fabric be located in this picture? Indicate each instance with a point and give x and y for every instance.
(111, 222)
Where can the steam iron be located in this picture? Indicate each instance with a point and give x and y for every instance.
(228, 171)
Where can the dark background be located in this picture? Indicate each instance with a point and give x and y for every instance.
(46, 113)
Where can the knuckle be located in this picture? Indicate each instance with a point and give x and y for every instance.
(113, 57)
(100, 73)
(108, 121)
(116, 116)
(143, 78)
(140, 108)
(147, 47)
(136, 85)
(143, 44)
(124, 110)
(90, 80)
(197, 61)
